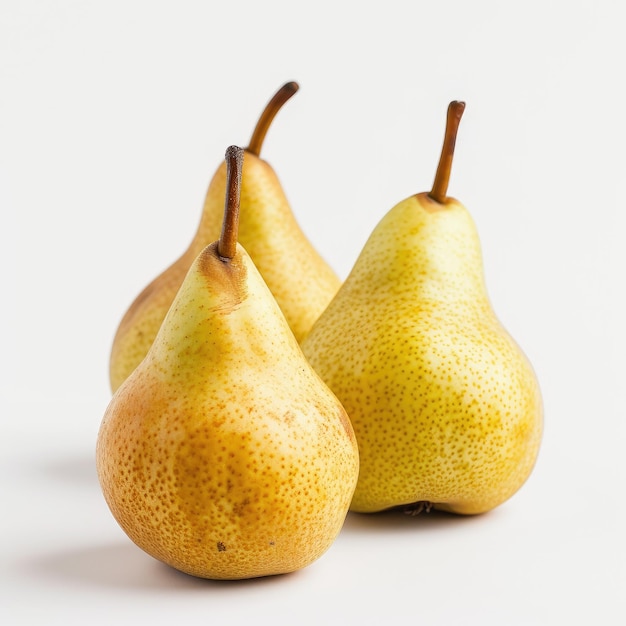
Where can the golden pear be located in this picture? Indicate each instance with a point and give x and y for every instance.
(299, 278)
(223, 454)
(445, 406)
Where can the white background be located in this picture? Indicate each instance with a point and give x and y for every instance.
(114, 116)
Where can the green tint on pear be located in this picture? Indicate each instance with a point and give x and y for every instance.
(445, 406)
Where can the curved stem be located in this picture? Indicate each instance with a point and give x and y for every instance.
(227, 244)
(442, 177)
(269, 113)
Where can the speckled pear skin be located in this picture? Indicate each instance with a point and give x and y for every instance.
(223, 454)
(300, 279)
(446, 408)
(296, 274)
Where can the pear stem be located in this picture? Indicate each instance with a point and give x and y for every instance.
(227, 244)
(440, 187)
(269, 113)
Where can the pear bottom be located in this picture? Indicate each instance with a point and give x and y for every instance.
(217, 498)
(453, 419)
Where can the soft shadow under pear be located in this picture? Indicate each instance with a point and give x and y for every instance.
(397, 520)
(122, 566)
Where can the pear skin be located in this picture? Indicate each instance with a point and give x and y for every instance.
(445, 406)
(223, 454)
(299, 278)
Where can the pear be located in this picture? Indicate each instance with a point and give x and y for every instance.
(223, 454)
(445, 406)
(300, 279)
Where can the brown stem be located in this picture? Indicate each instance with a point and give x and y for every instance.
(442, 177)
(269, 113)
(227, 244)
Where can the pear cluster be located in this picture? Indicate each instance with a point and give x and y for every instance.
(257, 399)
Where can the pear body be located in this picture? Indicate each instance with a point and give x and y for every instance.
(299, 278)
(223, 454)
(445, 406)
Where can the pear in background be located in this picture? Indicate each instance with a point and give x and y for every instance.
(301, 281)
(445, 406)
(223, 454)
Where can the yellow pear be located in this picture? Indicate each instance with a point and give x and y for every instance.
(224, 454)
(300, 279)
(446, 408)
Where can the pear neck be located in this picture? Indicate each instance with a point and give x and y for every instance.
(431, 255)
